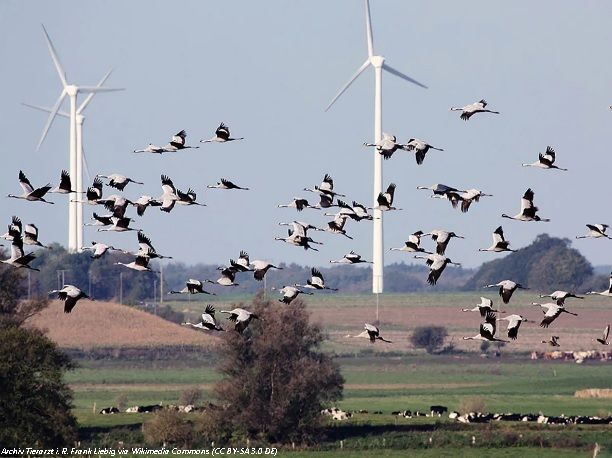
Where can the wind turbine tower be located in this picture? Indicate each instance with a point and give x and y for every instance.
(75, 224)
(378, 64)
(78, 183)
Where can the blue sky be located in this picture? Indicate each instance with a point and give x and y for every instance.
(269, 68)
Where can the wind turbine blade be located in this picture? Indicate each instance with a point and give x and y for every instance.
(55, 57)
(50, 119)
(402, 76)
(369, 29)
(46, 110)
(93, 90)
(90, 96)
(346, 86)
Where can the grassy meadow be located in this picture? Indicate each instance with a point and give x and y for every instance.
(387, 383)
(390, 378)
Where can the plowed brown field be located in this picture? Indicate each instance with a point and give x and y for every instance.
(104, 324)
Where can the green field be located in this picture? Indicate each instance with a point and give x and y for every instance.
(390, 378)
(385, 383)
(392, 300)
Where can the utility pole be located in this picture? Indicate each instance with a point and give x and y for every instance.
(121, 288)
(161, 282)
(61, 278)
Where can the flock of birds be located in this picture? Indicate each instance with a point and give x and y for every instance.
(117, 220)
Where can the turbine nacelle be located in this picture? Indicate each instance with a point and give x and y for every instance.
(71, 90)
(377, 61)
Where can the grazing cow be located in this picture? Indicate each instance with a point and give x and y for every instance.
(336, 413)
(149, 409)
(593, 420)
(438, 410)
(508, 417)
(479, 417)
(109, 410)
(340, 415)
(557, 421)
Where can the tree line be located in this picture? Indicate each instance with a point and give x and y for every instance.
(548, 263)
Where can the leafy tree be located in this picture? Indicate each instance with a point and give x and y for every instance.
(121, 402)
(276, 380)
(549, 263)
(35, 402)
(13, 310)
(168, 427)
(190, 396)
(428, 337)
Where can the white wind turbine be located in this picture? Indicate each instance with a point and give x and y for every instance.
(378, 63)
(71, 90)
(77, 181)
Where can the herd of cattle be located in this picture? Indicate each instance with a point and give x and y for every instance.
(479, 417)
(434, 411)
(576, 356)
(155, 407)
